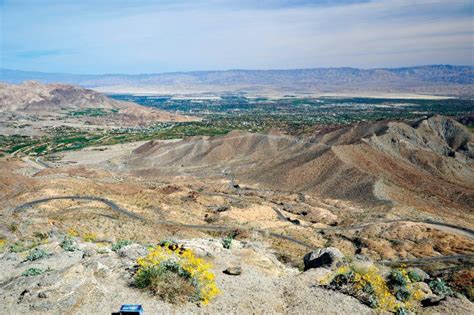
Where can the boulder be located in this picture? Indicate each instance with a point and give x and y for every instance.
(423, 287)
(132, 252)
(320, 275)
(432, 300)
(100, 270)
(233, 270)
(328, 257)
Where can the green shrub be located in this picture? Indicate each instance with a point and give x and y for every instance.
(17, 248)
(166, 243)
(41, 235)
(402, 311)
(439, 287)
(36, 253)
(117, 246)
(68, 244)
(342, 279)
(397, 278)
(368, 288)
(13, 227)
(373, 302)
(227, 241)
(414, 276)
(402, 294)
(32, 272)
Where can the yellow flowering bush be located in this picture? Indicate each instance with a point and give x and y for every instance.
(176, 275)
(89, 237)
(3, 245)
(394, 294)
(72, 232)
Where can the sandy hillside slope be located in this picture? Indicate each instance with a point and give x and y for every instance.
(426, 163)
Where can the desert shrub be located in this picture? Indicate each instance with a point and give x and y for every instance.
(18, 247)
(402, 294)
(13, 227)
(89, 237)
(72, 232)
(68, 244)
(344, 277)
(166, 243)
(117, 246)
(398, 278)
(36, 253)
(227, 241)
(401, 311)
(176, 275)
(463, 281)
(439, 287)
(414, 276)
(41, 235)
(3, 245)
(32, 272)
(397, 293)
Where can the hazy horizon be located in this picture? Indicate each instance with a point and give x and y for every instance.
(229, 70)
(138, 37)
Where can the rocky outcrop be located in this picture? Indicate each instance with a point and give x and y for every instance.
(329, 257)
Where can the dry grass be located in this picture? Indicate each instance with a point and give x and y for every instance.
(171, 288)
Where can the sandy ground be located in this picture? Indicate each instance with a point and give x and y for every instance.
(211, 92)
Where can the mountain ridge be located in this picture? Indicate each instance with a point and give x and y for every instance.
(429, 79)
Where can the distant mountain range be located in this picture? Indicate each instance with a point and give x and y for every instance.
(433, 79)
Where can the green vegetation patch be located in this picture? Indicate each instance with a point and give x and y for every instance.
(36, 253)
(90, 112)
(120, 244)
(69, 244)
(30, 272)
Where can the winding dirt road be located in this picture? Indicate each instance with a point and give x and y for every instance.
(466, 232)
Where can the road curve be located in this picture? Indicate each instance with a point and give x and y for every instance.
(465, 231)
(447, 227)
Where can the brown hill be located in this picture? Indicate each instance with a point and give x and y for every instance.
(427, 164)
(36, 98)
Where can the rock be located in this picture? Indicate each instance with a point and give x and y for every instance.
(100, 269)
(88, 252)
(132, 252)
(362, 267)
(233, 270)
(328, 257)
(211, 218)
(42, 295)
(424, 287)
(220, 208)
(294, 221)
(361, 257)
(320, 275)
(432, 300)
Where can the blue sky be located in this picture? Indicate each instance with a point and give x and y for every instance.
(144, 36)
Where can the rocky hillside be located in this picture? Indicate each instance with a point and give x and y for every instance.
(426, 164)
(35, 98)
(69, 275)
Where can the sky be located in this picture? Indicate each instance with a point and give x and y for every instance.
(145, 36)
